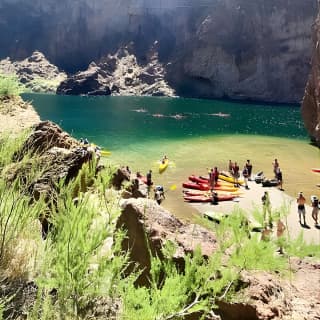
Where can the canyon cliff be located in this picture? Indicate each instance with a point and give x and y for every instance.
(238, 49)
(311, 100)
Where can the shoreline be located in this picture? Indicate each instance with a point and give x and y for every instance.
(251, 199)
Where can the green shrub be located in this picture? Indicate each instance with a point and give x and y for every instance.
(10, 86)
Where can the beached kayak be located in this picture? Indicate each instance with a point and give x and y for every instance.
(209, 193)
(221, 197)
(202, 179)
(317, 170)
(163, 165)
(230, 179)
(197, 186)
(206, 187)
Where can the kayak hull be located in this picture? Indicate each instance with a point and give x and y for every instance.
(163, 166)
(230, 179)
(316, 170)
(208, 199)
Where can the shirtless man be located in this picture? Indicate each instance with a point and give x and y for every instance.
(301, 200)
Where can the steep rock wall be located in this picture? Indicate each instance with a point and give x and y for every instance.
(311, 100)
(241, 49)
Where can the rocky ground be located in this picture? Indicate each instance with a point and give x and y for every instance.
(16, 115)
(35, 72)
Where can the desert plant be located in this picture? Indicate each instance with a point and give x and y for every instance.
(10, 86)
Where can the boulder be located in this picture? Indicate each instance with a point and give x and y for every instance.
(271, 296)
(149, 226)
(44, 136)
(91, 82)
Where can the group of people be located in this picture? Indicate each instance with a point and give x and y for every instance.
(234, 170)
(301, 200)
(158, 190)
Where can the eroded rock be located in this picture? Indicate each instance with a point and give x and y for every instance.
(149, 226)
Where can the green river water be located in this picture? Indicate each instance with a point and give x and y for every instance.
(194, 134)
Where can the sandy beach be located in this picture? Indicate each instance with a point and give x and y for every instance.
(252, 198)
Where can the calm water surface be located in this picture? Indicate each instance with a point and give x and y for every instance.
(195, 134)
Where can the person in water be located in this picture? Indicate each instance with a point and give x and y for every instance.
(164, 159)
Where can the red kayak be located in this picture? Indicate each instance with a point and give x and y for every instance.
(317, 170)
(198, 186)
(194, 178)
(221, 197)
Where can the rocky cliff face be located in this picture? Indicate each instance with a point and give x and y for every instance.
(35, 72)
(311, 100)
(220, 48)
(120, 74)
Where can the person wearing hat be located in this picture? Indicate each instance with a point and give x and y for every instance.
(301, 200)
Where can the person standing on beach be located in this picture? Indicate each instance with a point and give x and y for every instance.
(245, 174)
(301, 200)
(266, 207)
(236, 174)
(249, 168)
(230, 166)
(276, 165)
(279, 178)
(315, 209)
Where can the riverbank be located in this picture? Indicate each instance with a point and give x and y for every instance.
(251, 199)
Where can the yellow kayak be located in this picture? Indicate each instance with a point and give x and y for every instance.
(163, 165)
(230, 179)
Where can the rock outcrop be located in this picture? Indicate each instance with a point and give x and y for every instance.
(120, 74)
(311, 100)
(234, 48)
(35, 72)
(149, 226)
(16, 115)
(275, 297)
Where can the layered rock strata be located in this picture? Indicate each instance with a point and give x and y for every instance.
(239, 49)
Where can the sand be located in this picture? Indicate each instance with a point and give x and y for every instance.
(252, 198)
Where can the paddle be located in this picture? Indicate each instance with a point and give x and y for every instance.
(173, 187)
(105, 153)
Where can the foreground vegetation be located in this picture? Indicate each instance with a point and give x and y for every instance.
(77, 272)
(10, 86)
